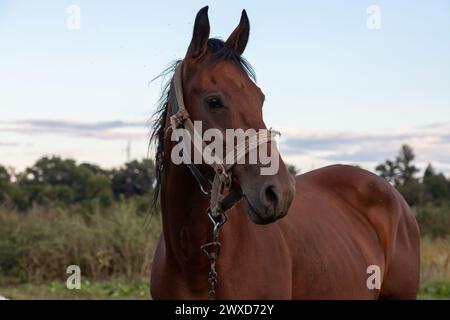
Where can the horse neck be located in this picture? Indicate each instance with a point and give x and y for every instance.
(186, 225)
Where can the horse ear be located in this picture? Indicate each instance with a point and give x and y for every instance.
(199, 42)
(239, 38)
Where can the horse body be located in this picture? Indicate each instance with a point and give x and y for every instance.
(342, 220)
(347, 219)
(313, 237)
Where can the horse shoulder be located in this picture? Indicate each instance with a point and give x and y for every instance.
(366, 202)
(363, 194)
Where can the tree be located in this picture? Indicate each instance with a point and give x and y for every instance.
(135, 178)
(448, 188)
(414, 192)
(389, 171)
(56, 180)
(436, 184)
(292, 169)
(5, 179)
(401, 173)
(405, 167)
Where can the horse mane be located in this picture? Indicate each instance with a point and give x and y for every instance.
(220, 51)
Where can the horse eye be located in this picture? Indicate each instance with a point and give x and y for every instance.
(214, 102)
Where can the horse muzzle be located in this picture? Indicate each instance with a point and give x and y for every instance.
(270, 202)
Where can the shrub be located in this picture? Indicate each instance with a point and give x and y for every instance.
(39, 245)
(434, 219)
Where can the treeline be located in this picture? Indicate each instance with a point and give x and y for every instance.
(57, 182)
(428, 195)
(402, 173)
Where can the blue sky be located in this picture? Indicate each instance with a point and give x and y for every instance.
(338, 91)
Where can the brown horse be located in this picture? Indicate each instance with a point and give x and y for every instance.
(338, 221)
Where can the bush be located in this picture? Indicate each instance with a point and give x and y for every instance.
(39, 245)
(434, 219)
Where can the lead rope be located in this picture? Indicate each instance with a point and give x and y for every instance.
(218, 207)
(212, 250)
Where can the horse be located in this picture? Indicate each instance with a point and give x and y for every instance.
(324, 234)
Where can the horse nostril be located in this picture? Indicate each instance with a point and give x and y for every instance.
(271, 195)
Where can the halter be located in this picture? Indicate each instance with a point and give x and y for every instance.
(218, 204)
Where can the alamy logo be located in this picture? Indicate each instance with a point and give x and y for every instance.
(73, 21)
(374, 280)
(373, 21)
(74, 280)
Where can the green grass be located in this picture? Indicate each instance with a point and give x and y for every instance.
(117, 289)
(435, 291)
(435, 268)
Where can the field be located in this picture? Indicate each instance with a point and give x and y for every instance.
(435, 268)
(114, 250)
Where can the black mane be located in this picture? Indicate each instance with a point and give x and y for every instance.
(219, 51)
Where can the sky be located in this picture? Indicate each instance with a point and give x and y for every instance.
(343, 83)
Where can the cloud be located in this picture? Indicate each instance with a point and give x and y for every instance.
(304, 148)
(361, 156)
(316, 141)
(9, 144)
(435, 125)
(110, 130)
(431, 143)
